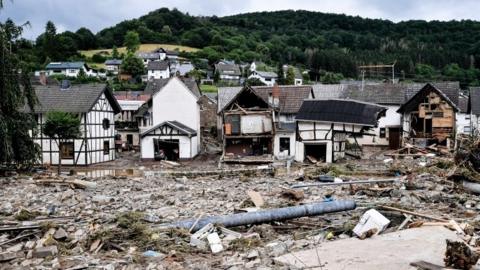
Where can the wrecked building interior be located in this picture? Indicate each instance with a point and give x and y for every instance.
(429, 118)
(248, 128)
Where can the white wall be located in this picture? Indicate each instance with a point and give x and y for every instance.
(276, 143)
(463, 122)
(391, 119)
(159, 74)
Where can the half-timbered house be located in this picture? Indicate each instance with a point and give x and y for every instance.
(95, 105)
(324, 125)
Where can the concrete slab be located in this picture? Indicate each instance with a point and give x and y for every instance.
(388, 251)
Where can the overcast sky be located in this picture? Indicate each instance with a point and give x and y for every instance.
(98, 14)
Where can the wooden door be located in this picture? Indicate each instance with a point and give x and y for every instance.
(394, 137)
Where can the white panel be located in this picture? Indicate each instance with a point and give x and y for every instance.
(254, 124)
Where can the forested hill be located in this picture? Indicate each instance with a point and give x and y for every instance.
(314, 40)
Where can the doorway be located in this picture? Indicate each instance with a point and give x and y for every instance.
(394, 137)
(316, 151)
(285, 145)
(166, 149)
(129, 139)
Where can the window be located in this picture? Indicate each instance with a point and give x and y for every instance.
(383, 133)
(467, 129)
(67, 150)
(106, 147)
(285, 145)
(438, 114)
(106, 123)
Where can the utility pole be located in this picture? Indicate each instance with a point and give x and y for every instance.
(364, 68)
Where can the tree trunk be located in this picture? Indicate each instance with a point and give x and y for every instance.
(59, 167)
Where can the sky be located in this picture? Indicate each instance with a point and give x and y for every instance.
(99, 14)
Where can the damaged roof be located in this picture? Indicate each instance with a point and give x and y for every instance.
(290, 100)
(76, 99)
(412, 103)
(341, 111)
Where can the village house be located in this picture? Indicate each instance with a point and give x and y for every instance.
(429, 117)
(323, 127)
(95, 105)
(126, 126)
(208, 113)
(70, 69)
(158, 70)
(388, 133)
(474, 110)
(148, 57)
(228, 73)
(169, 121)
(113, 65)
(266, 77)
(181, 68)
(283, 101)
(298, 75)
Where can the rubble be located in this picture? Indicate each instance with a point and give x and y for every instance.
(113, 222)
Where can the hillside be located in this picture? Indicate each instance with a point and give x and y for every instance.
(143, 48)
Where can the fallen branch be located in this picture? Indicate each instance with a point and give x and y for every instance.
(412, 213)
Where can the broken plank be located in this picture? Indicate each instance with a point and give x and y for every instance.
(412, 213)
(423, 265)
(256, 198)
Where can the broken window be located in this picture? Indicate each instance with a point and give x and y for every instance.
(383, 133)
(285, 145)
(106, 147)
(67, 150)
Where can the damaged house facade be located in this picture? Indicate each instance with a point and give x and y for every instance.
(323, 127)
(95, 105)
(389, 133)
(429, 117)
(258, 123)
(170, 121)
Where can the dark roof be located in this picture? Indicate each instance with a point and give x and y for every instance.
(76, 99)
(183, 129)
(382, 93)
(475, 100)
(228, 69)
(412, 103)
(158, 65)
(463, 103)
(291, 97)
(266, 74)
(142, 110)
(113, 62)
(156, 85)
(65, 65)
(340, 111)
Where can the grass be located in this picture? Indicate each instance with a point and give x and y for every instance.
(208, 88)
(143, 48)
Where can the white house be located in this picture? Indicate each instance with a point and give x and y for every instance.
(148, 57)
(113, 65)
(228, 73)
(171, 120)
(158, 70)
(69, 69)
(95, 105)
(266, 77)
(324, 125)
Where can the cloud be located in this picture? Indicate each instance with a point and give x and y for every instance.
(99, 14)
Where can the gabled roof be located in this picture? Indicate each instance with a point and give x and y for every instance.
(76, 99)
(148, 55)
(266, 74)
(228, 69)
(328, 91)
(113, 62)
(475, 100)
(181, 128)
(156, 85)
(413, 102)
(290, 100)
(158, 65)
(340, 111)
(291, 97)
(248, 90)
(65, 65)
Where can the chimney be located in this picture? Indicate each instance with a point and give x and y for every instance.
(43, 78)
(65, 85)
(275, 95)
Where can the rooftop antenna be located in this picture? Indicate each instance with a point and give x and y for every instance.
(364, 68)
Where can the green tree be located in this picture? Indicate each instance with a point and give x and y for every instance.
(133, 65)
(16, 92)
(50, 42)
(290, 78)
(166, 30)
(115, 53)
(216, 77)
(254, 82)
(132, 41)
(331, 78)
(61, 127)
(425, 72)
